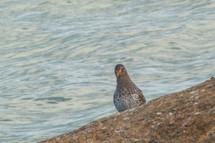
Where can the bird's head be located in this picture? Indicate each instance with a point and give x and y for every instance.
(120, 71)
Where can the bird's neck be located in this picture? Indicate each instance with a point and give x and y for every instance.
(124, 81)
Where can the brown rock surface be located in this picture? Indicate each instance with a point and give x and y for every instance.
(182, 117)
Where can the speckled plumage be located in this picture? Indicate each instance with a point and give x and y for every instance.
(127, 95)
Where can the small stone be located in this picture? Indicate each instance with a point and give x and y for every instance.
(126, 119)
(197, 113)
(58, 138)
(172, 122)
(213, 136)
(193, 92)
(119, 130)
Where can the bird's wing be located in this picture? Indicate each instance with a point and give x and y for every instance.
(138, 96)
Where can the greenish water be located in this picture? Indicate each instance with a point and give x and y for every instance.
(57, 58)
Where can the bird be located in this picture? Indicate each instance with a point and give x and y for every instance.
(127, 95)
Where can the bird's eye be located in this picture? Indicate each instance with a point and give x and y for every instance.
(122, 69)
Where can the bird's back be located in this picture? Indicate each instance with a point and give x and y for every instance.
(128, 97)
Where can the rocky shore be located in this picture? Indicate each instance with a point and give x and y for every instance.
(182, 117)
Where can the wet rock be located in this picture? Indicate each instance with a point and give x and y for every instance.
(187, 116)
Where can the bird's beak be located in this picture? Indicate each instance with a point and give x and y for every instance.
(118, 74)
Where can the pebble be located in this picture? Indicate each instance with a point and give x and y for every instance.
(159, 113)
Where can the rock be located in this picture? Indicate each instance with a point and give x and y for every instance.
(187, 116)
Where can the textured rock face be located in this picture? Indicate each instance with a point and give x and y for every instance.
(183, 117)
